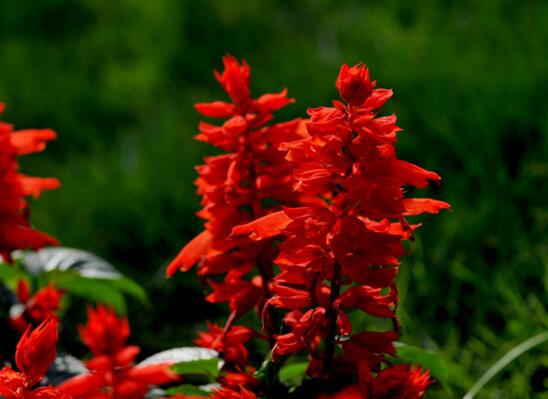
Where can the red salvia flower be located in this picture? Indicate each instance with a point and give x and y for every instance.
(236, 374)
(113, 373)
(105, 334)
(15, 230)
(354, 84)
(42, 305)
(36, 351)
(400, 381)
(229, 345)
(34, 354)
(234, 186)
(342, 253)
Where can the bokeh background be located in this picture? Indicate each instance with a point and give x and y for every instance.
(117, 81)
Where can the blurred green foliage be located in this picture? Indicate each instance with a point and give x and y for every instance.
(117, 81)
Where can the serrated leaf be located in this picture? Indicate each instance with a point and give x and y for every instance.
(293, 374)
(209, 367)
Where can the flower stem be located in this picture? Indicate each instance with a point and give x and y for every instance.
(332, 319)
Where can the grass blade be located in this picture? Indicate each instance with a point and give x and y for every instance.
(504, 361)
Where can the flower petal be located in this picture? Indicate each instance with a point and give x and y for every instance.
(191, 253)
(266, 227)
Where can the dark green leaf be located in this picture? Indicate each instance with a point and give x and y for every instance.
(292, 374)
(130, 287)
(94, 290)
(209, 367)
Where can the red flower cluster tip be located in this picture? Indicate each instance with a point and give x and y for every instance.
(400, 382)
(234, 187)
(342, 254)
(237, 377)
(15, 230)
(113, 373)
(230, 344)
(34, 354)
(35, 309)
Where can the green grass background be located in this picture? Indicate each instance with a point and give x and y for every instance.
(117, 80)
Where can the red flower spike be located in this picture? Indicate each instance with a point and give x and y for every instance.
(105, 333)
(354, 84)
(15, 230)
(236, 187)
(342, 251)
(235, 80)
(112, 369)
(36, 351)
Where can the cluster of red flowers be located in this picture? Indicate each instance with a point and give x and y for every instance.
(248, 181)
(233, 187)
(304, 216)
(400, 382)
(36, 349)
(343, 254)
(112, 370)
(15, 231)
(339, 251)
(113, 373)
(35, 308)
(34, 354)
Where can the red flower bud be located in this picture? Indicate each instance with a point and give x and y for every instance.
(105, 333)
(354, 84)
(36, 351)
